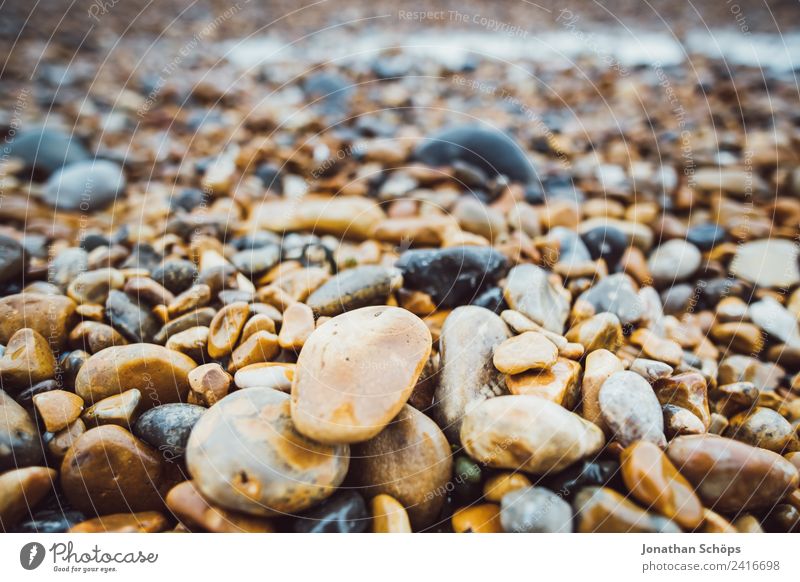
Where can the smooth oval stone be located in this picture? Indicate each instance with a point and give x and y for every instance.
(467, 374)
(630, 409)
(559, 384)
(356, 372)
(655, 482)
(529, 291)
(20, 491)
(19, 438)
(528, 433)
(775, 319)
(527, 351)
(199, 318)
(68, 264)
(674, 261)
(344, 512)
(226, 327)
(160, 374)
(767, 263)
(166, 428)
(535, 510)
(108, 470)
(730, 475)
(119, 409)
(600, 366)
(762, 427)
(410, 461)
(256, 261)
(58, 408)
(46, 150)
(135, 322)
(209, 384)
(95, 336)
(706, 236)
(247, 456)
(355, 288)
(601, 331)
(603, 510)
(275, 375)
(389, 515)
(452, 276)
(11, 258)
(27, 360)
(488, 149)
(607, 243)
(194, 510)
(176, 275)
(94, 286)
(616, 294)
(87, 186)
(51, 316)
(344, 216)
(687, 390)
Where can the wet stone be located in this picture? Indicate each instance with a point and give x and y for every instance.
(247, 456)
(27, 360)
(133, 321)
(559, 383)
(259, 347)
(225, 329)
(94, 337)
(586, 473)
(535, 510)
(483, 518)
(11, 258)
(19, 438)
(167, 428)
(345, 512)
(94, 286)
(57, 409)
(20, 491)
(765, 428)
(529, 291)
(388, 515)
(687, 390)
(679, 421)
(601, 331)
(176, 275)
(354, 288)
(51, 316)
(607, 243)
(631, 410)
(199, 318)
(208, 384)
(603, 510)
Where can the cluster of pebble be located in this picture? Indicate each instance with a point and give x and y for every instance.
(443, 332)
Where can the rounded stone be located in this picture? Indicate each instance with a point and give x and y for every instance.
(58, 408)
(176, 275)
(356, 372)
(108, 470)
(763, 427)
(410, 461)
(52, 316)
(527, 351)
(20, 491)
(11, 258)
(354, 288)
(603, 510)
(45, 150)
(225, 329)
(528, 433)
(19, 438)
(767, 263)
(630, 409)
(607, 243)
(161, 375)
(166, 428)
(86, 186)
(529, 291)
(195, 511)
(535, 510)
(706, 236)
(136, 322)
(344, 512)
(247, 456)
(389, 515)
(27, 360)
(94, 286)
(673, 262)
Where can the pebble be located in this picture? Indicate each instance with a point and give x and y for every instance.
(706, 236)
(776, 320)
(559, 384)
(631, 410)
(484, 518)
(45, 150)
(195, 511)
(51, 521)
(259, 347)
(20, 491)
(601, 331)
(767, 263)
(94, 337)
(687, 390)
(765, 428)
(636, 234)
(616, 294)
(199, 318)
(342, 216)
(527, 351)
(94, 286)
(467, 375)
(600, 365)
(12, 262)
(298, 323)
(61, 442)
(166, 428)
(673, 262)
(119, 409)
(27, 360)
(275, 375)
(452, 276)
(147, 290)
(655, 482)
(528, 433)
(535, 510)
(193, 343)
(85, 186)
(19, 438)
(486, 148)
(51, 316)
(603, 510)
(498, 485)
(57, 409)
(529, 291)
(344, 512)
(586, 473)
(194, 297)
(410, 461)
(225, 329)
(257, 261)
(651, 370)
(176, 275)
(371, 358)
(141, 522)
(108, 470)
(657, 348)
(68, 264)
(731, 476)
(606, 242)
(160, 374)
(133, 321)
(246, 455)
(679, 421)
(389, 515)
(208, 384)
(354, 288)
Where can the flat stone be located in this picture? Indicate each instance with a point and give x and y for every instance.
(655, 482)
(535, 510)
(176, 275)
(601, 331)
(133, 321)
(93, 337)
(631, 410)
(259, 347)
(275, 375)
(108, 470)
(679, 421)
(452, 276)
(19, 438)
(603, 510)
(199, 318)
(247, 456)
(371, 359)
(195, 511)
(27, 360)
(600, 365)
(731, 476)
(616, 294)
(160, 374)
(410, 461)
(166, 428)
(467, 375)
(354, 288)
(192, 342)
(528, 433)
(20, 491)
(58, 409)
(559, 384)
(225, 329)
(94, 286)
(62, 441)
(767, 263)
(527, 351)
(253, 262)
(118, 409)
(51, 316)
(651, 370)
(529, 291)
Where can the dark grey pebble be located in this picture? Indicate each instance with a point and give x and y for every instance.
(136, 323)
(167, 427)
(344, 512)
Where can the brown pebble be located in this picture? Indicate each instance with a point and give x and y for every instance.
(484, 518)
(20, 491)
(262, 346)
(27, 360)
(225, 329)
(188, 505)
(208, 384)
(389, 515)
(527, 351)
(498, 485)
(258, 322)
(142, 522)
(93, 337)
(58, 408)
(119, 409)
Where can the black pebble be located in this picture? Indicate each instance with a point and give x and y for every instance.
(345, 512)
(607, 243)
